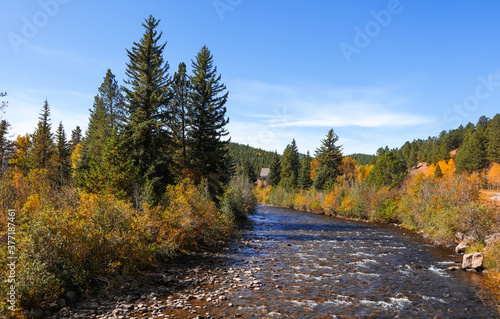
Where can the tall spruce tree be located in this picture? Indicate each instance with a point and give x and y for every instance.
(179, 122)
(493, 141)
(76, 138)
(305, 172)
(147, 97)
(329, 157)
(208, 151)
(106, 115)
(6, 146)
(62, 162)
(274, 176)
(43, 145)
(471, 154)
(290, 165)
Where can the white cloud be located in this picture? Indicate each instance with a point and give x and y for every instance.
(271, 115)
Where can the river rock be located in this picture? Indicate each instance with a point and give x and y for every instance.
(473, 262)
(464, 244)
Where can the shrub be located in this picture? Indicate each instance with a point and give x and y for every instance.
(239, 199)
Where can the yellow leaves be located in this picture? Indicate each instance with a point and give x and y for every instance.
(76, 156)
(330, 204)
(364, 172)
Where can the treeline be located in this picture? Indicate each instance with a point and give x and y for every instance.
(477, 146)
(150, 178)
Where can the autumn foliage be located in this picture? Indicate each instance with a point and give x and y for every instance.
(76, 240)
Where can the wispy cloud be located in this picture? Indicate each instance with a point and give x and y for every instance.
(287, 106)
(270, 115)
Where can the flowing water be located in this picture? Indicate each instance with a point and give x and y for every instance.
(314, 266)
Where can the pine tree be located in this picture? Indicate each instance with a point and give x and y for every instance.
(471, 154)
(290, 165)
(305, 181)
(179, 121)
(43, 146)
(6, 146)
(389, 170)
(438, 173)
(76, 138)
(147, 97)
(113, 172)
(274, 176)
(62, 160)
(207, 149)
(329, 158)
(106, 114)
(493, 139)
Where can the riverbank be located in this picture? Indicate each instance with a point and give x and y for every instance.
(445, 210)
(291, 264)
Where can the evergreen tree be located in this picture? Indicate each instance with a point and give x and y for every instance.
(6, 146)
(493, 139)
(247, 169)
(471, 154)
(274, 176)
(389, 170)
(106, 115)
(111, 98)
(179, 122)
(43, 146)
(207, 149)
(329, 158)
(438, 173)
(76, 138)
(412, 160)
(113, 172)
(290, 165)
(147, 97)
(62, 161)
(305, 181)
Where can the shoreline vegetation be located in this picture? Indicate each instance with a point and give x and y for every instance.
(444, 210)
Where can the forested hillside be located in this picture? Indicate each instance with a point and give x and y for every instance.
(256, 158)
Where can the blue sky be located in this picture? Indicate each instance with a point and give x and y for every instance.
(377, 72)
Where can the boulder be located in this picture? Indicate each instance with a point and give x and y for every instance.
(70, 297)
(473, 262)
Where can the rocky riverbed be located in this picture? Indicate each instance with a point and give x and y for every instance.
(289, 264)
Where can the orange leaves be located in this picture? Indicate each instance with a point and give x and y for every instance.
(332, 202)
(493, 175)
(314, 167)
(447, 168)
